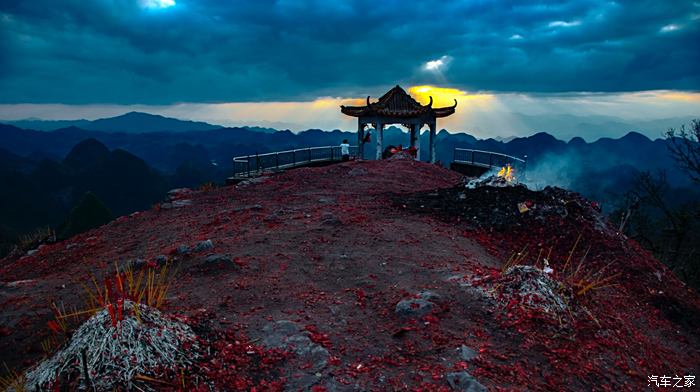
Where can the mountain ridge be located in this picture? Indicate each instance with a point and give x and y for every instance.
(167, 151)
(567, 126)
(130, 122)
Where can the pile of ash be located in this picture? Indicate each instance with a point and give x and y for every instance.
(118, 353)
(527, 294)
(533, 288)
(501, 178)
(502, 208)
(492, 180)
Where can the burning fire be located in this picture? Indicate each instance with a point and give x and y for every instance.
(507, 173)
(504, 177)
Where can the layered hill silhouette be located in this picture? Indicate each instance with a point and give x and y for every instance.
(132, 122)
(166, 150)
(44, 194)
(129, 170)
(192, 153)
(568, 126)
(205, 155)
(376, 275)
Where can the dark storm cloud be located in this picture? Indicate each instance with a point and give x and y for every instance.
(116, 51)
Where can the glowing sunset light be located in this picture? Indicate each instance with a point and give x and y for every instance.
(325, 102)
(680, 96)
(445, 96)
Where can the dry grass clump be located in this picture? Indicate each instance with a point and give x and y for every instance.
(37, 237)
(557, 288)
(207, 186)
(148, 286)
(12, 381)
(583, 278)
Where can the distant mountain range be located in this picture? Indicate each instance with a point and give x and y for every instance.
(129, 161)
(208, 148)
(565, 126)
(132, 122)
(166, 143)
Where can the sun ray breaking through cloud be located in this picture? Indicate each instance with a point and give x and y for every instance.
(157, 4)
(483, 114)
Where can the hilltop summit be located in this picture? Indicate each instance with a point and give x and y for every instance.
(86, 153)
(136, 122)
(389, 275)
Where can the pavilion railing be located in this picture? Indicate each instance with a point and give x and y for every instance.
(488, 159)
(247, 165)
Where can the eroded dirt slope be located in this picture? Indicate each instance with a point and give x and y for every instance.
(329, 253)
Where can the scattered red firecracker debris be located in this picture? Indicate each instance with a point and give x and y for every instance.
(334, 249)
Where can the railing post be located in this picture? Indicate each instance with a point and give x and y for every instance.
(454, 154)
(247, 161)
(309, 154)
(294, 158)
(472, 157)
(257, 163)
(277, 161)
(331, 153)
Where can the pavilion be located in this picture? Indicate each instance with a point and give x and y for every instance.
(397, 107)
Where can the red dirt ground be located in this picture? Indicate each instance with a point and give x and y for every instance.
(330, 249)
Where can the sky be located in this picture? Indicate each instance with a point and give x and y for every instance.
(290, 63)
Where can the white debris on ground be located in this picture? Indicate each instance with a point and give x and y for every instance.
(547, 269)
(252, 181)
(179, 193)
(178, 198)
(115, 356)
(535, 288)
(526, 286)
(495, 178)
(492, 180)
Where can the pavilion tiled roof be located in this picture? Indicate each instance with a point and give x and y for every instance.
(397, 103)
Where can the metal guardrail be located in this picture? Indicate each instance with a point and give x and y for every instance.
(488, 159)
(246, 165)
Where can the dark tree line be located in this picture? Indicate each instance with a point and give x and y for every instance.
(667, 220)
(685, 148)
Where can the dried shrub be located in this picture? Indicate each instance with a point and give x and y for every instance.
(207, 186)
(41, 235)
(12, 381)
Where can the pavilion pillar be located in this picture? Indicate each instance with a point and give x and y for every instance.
(415, 139)
(380, 139)
(433, 136)
(360, 139)
(415, 128)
